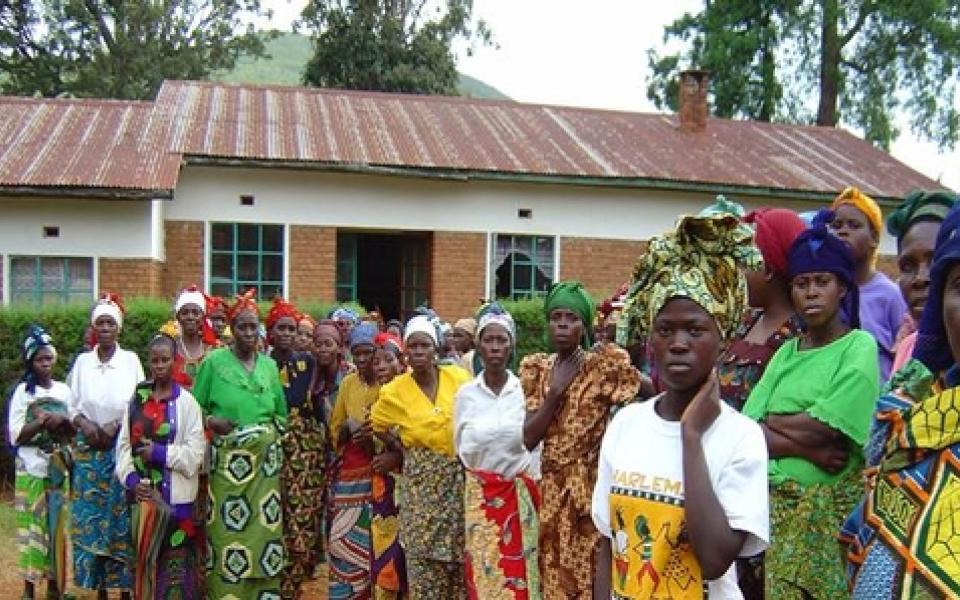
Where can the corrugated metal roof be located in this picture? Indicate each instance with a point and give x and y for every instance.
(65, 143)
(103, 144)
(429, 132)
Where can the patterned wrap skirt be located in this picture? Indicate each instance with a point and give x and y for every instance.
(245, 526)
(349, 544)
(502, 532)
(42, 514)
(389, 572)
(100, 522)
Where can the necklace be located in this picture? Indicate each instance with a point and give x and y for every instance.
(186, 354)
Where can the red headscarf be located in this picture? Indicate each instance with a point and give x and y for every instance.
(281, 308)
(245, 301)
(775, 231)
(214, 304)
(388, 341)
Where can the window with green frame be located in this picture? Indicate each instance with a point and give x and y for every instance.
(522, 266)
(346, 267)
(40, 280)
(246, 255)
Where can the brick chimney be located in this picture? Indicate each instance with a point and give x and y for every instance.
(693, 100)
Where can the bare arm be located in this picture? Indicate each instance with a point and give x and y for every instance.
(804, 429)
(715, 544)
(601, 574)
(830, 456)
(537, 422)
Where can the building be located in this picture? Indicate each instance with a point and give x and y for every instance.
(389, 199)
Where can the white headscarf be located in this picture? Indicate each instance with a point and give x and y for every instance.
(194, 297)
(108, 308)
(420, 324)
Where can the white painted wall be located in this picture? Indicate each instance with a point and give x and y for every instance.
(208, 193)
(107, 228)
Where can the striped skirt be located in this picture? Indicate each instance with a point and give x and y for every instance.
(349, 545)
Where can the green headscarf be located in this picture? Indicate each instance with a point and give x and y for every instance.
(919, 205)
(572, 296)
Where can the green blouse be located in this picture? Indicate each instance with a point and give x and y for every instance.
(224, 388)
(837, 384)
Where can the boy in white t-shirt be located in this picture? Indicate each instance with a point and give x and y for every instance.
(682, 485)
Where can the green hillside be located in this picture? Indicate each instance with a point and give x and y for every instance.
(289, 52)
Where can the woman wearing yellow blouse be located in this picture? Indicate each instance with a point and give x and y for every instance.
(418, 406)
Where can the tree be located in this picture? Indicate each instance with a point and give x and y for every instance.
(388, 45)
(120, 48)
(865, 62)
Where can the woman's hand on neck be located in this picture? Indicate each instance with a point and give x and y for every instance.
(674, 402)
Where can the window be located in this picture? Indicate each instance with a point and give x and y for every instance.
(522, 265)
(42, 280)
(346, 267)
(246, 255)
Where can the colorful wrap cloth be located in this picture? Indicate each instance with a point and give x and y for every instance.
(246, 301)
(700, 260)
(901, 540)
(916, 207)
(501, 531)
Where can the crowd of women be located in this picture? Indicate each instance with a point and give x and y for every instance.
(759, 412)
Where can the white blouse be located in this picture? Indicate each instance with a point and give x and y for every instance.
(102, 390)
(35, 461)
(488, 428)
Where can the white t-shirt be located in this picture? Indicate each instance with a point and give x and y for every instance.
(638, 501)
(35, 461)
(101, 391)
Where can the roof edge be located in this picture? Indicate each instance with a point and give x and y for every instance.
(517, 177)
(89, 193)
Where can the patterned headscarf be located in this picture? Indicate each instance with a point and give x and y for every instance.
(343, 313)
(215, 304)
(919, 206)
(422, 324)
(245, 301)
(775, 229)
(389, 342)
(329, 327)
(699, 260)
(502, 319)
(37, 338)
(280, 309)
(572, 296)
(817, 250)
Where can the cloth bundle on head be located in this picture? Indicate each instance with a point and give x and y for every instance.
(280, 309)
(37, 338)
(817, 250)
(862, 202)
(467, 324)
(699, 260)
(246, 301)
(389, 342)
(111, 305)
(919, 206)
(190, 295)
(421, 324)
(571, 295)
(343, 313)
(932, 347)
(775, 229)
(363, 333)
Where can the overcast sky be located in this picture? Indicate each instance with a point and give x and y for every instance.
(593, 54)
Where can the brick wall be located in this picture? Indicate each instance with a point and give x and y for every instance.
(602, 265)
(458, 268)
(131, 277)
(184, 256)
(313, 263)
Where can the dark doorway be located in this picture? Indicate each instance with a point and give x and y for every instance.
(383, 272)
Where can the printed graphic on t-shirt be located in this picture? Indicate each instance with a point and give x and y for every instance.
(651, 552)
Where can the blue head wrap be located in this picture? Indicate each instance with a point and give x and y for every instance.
(364, 333)
(345, 313)
(37, 338)
(932, 346)
(818, 250)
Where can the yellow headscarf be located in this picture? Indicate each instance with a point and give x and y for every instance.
(865, 204)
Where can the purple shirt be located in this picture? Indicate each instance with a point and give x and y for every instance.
(881, 311)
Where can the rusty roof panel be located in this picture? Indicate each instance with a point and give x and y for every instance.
(83, 144)
(136, 145)
(430, 132)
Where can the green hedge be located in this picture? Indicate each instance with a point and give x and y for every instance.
(144, 317)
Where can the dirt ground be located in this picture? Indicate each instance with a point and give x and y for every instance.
(11, 586)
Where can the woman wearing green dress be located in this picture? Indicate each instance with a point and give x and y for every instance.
(243, 404)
